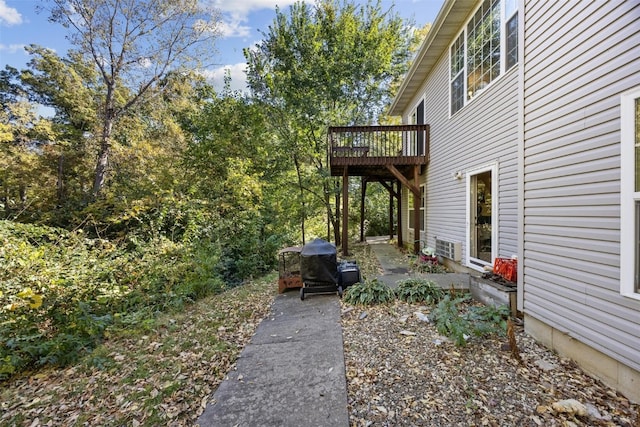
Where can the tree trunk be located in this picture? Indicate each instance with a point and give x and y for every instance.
(335, 220)
(105, 141)
(302, 203)
(23, 196)
(60, 183)
(103, 158)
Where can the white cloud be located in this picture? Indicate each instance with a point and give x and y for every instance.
(12, 48)
(9, 15)
(233, 28)
(237, 73)
(235, 14)
(242, 8)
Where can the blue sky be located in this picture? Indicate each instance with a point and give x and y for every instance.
(21, 25)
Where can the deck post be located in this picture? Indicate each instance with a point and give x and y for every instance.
(345, 211)
(417, 203)
(391, 211)
(399, 192)
(362, 197)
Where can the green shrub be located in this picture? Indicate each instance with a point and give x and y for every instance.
(448, 320)
(489, 319)
(475, 321)
(60, 291)
(369, 292)
(419, 290)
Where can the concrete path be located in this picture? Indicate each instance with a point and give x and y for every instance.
(389, 258)
(396, 268)
(291, 373)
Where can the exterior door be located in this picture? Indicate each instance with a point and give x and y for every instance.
(482, 211)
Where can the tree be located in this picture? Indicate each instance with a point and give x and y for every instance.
(332, 64)
(23, 137)
(134, 44)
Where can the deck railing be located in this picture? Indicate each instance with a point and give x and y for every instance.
(371, 144)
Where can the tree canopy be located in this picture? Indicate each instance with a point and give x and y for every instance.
(333, 63)
(133, 45)
(146, 188)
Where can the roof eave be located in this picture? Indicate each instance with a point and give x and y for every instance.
(448, 22)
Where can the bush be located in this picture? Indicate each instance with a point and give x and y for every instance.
(419, 290)
(59, 291)
(369, 292)
(476, 321)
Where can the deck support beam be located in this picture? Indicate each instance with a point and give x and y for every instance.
(345, 211)
(363, 195)
(399, 197)
(393, 195)
(414, 187)
(417, 203)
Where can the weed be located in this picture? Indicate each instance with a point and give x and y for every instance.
(476, 321)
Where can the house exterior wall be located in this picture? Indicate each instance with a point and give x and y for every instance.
(483, 132)
(578, 58)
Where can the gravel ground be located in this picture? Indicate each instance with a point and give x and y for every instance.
(401, 372)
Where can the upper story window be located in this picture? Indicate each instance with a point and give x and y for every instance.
(511, 32)
(486, 48)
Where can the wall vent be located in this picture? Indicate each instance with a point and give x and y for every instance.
(451, 250)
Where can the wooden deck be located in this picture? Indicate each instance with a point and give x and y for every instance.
(391, 155)
(369, 150)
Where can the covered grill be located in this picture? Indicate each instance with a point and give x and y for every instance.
(318, 267)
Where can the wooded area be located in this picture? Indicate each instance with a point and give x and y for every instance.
(146, 188)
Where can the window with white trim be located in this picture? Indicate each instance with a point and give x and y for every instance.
(511, 33)
(486, 48)
(411, 210)
(630, 194)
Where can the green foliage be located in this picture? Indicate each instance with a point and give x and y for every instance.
(489, 319)
(319, 65)
(420, 266)
(369, 292)
(419, 290)
(476, 321)
(60, 292)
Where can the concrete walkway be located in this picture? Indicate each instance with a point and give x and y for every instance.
(389, 258)
(396, 268)
(292, 372)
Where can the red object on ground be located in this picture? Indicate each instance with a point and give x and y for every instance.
(506, 268)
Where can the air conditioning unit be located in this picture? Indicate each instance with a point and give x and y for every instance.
(447, 249)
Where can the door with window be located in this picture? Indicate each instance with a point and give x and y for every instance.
(481, 217)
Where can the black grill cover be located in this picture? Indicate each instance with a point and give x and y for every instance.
(318, 262)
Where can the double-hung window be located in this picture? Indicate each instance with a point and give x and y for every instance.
(630, 194)
(486, 48)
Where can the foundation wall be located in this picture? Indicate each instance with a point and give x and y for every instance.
(611, 372)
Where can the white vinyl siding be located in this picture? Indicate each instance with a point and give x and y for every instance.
(578, 59)
(481, 134)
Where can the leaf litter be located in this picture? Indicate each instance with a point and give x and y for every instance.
(166, 376)
(420, 378)
(163, 376)
(399, 379)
